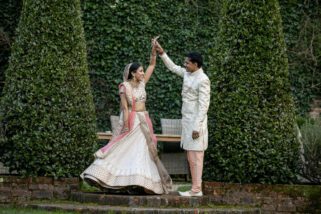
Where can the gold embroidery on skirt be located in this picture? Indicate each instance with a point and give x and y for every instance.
(165, 178)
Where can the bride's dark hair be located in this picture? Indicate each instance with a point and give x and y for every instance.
(133, 68)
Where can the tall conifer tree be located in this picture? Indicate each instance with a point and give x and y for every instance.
(252, 113)
(47, 112)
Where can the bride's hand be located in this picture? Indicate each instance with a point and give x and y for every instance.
(154, 40)
(154, 48)
(154, 52)
(124, 130)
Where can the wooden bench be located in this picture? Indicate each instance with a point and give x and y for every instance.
(175, 163)
(160, 137)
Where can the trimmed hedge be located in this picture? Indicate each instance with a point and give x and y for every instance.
(47, 112)
(252, 113)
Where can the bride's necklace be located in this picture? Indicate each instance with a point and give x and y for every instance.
(134, 84)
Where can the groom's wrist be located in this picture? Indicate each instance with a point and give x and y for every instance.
(161, 53)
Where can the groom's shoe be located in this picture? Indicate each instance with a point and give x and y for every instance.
(191, 194)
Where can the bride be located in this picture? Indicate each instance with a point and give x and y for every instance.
(130, 158)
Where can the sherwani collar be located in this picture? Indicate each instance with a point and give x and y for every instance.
(195, 73)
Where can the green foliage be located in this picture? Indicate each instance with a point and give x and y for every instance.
(311, 139)
(251, 115)
(85, 187)
(47, 112)
(302, 27)
(119, 32)
(22, 210)
(9, 16)
(301, 21)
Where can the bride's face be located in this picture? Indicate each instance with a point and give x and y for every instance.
(139, 74)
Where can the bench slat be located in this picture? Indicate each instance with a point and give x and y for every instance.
(160, 137)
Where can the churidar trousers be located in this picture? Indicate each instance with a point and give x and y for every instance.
(195, 160)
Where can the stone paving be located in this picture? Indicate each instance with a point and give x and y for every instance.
(140, 204)
(137, 210)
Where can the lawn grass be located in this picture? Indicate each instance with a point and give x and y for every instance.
(19, 210)
(85, 187)
(184, 188)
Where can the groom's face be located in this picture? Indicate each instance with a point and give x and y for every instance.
(190, 66)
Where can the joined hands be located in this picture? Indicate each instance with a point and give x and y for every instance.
(157, 46)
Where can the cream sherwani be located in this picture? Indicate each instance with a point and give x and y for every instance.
(196, 100)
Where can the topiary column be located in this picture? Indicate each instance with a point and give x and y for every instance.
(252, 131)
(47, 112)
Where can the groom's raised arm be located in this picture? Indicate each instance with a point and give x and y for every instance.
(172, 66)
(168, 62)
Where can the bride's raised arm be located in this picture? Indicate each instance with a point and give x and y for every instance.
(152, 62)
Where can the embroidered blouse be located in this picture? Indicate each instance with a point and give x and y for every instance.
(138, 92)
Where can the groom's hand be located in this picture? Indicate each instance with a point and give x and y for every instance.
(195, 135)
(159, 48)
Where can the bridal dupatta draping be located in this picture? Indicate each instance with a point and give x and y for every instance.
(130, 158)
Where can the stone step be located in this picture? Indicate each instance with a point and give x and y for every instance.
(97, 209)
(171, 200)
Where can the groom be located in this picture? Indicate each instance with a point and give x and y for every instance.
(196, 99)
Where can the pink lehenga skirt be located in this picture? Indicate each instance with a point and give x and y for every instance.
(130, 159)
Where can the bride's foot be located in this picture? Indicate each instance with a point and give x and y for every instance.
(135, 190)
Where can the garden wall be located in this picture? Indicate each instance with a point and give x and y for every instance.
(14, 189)
(271, 198)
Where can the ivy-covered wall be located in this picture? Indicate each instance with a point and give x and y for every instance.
(119, 32)
(9, 16)
(302, 27)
